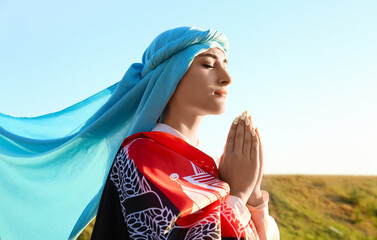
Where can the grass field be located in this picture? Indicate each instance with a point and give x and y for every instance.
(318, 207)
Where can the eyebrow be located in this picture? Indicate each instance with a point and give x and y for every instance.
(212, 56)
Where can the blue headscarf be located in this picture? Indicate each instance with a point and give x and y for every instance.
(53, 167)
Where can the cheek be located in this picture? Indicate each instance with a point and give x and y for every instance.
(200, 82)
(195, 83)
(194, 86)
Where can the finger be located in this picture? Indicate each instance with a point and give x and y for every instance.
(255, 147)
(247, 143)
(260, 141)
(251, 123)
(251, 129)
(255, 157)
(260, 158)
(240, 134)
(260, 147)
(231, 135)
(221, 161)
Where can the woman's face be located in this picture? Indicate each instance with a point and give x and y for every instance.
(203, 88)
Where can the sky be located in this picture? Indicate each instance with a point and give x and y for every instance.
(306, 71)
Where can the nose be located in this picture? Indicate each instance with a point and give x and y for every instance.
(224, 78)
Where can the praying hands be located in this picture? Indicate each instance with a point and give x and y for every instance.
(241, 164)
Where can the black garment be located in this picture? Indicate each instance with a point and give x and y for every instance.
(109, 223)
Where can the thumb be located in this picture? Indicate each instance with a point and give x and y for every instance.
(221, 161)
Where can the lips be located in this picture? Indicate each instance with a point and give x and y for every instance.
(222, 93)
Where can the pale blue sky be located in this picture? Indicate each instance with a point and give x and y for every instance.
(305, 70)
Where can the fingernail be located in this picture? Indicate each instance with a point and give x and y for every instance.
(247, 121)
(243, 116)
(252, 132)
(235, 121)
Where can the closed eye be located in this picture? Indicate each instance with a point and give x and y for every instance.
(208, 66)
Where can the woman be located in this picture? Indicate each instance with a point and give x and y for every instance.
(161, 186)
(55, 168)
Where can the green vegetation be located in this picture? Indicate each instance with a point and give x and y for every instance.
(324, 207)
(319, 207)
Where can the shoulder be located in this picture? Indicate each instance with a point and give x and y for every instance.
(151, 157)
(140, 142)
(155, 139)
(149, 145)
(136, 152)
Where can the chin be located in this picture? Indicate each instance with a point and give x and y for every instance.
(218, 111)
(212, 109)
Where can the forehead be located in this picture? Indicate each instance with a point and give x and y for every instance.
(215, 53)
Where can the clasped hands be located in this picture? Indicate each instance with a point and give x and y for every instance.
(242, 161)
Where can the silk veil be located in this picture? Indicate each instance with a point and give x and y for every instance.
(53, 167)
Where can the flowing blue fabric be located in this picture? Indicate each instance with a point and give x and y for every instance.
(53, 167)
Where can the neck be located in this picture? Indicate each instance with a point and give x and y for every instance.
(186, 124)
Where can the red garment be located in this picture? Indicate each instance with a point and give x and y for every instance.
(168, 189)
